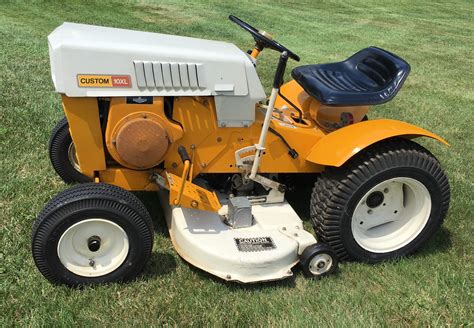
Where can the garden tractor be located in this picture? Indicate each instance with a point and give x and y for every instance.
(189, 119)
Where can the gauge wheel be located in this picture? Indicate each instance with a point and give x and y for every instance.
(383, 204)
(318, 260)
(91, 234)
(62, 154)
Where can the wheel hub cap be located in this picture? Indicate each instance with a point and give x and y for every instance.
(320, 264)
(93, 243)
(93, 247)
(375, 199)
(72, 156)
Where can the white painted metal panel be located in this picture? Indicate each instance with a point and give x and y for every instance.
(150, 79)
(202, 239)
(175, 75)
(192, 74)
(85, 49)
(201, 75)
(166, 69)
(183, 74)
(140, 74)
(158, 74)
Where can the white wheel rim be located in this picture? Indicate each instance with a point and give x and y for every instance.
(72, 155)
(75, 255)
(397, 221)
(320, 264)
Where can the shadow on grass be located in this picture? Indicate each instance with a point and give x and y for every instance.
(286, 283)
(236, 286)
(299, 195)
(152, 204)
(159, 264)
(440, 242)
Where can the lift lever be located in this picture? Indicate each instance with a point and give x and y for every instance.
(187, 167)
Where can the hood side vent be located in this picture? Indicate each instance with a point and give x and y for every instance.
(164, 75)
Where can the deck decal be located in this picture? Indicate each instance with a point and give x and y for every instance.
(255, 244)
(103, 81)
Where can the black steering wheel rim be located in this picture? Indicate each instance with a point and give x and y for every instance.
(262, 40)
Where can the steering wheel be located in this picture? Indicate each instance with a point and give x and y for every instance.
(261, 40)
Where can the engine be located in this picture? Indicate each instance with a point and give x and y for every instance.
(138, 133)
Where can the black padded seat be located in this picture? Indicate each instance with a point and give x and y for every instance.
(372, 76)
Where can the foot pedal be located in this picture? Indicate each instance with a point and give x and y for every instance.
(193, 196)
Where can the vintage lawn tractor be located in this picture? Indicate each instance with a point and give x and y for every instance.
(189, 119)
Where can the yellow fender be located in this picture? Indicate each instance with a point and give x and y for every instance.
(337, 147)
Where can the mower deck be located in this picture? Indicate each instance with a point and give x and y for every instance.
(265, 251)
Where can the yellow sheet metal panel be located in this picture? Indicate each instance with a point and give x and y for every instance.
(338, 146)
(192, 196)
(84, 125)
(295, 93)
(129, 179)
(214, 147)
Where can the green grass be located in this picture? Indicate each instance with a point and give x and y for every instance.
(432, 288)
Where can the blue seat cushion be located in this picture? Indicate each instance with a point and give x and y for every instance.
(372, 76)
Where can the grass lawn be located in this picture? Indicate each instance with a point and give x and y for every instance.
(432, 288)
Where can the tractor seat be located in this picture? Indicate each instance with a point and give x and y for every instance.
(372, 76)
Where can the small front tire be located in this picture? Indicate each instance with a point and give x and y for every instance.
(91, 234)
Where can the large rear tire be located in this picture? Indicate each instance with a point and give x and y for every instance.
(384, 203)
(91, 234)
(62, 154)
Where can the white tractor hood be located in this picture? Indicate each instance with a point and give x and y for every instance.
(85, 59)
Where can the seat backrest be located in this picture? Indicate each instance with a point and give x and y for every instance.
(380, 66)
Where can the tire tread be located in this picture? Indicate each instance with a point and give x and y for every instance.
(335, 186)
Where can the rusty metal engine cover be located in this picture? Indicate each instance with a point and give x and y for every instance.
(141, 142)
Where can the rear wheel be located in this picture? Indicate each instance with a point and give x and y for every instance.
(383, 204)
(62, 154)
(92, 233)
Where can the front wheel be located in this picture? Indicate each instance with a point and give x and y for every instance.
(62, 154)
(383, 204)
(92, 233)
